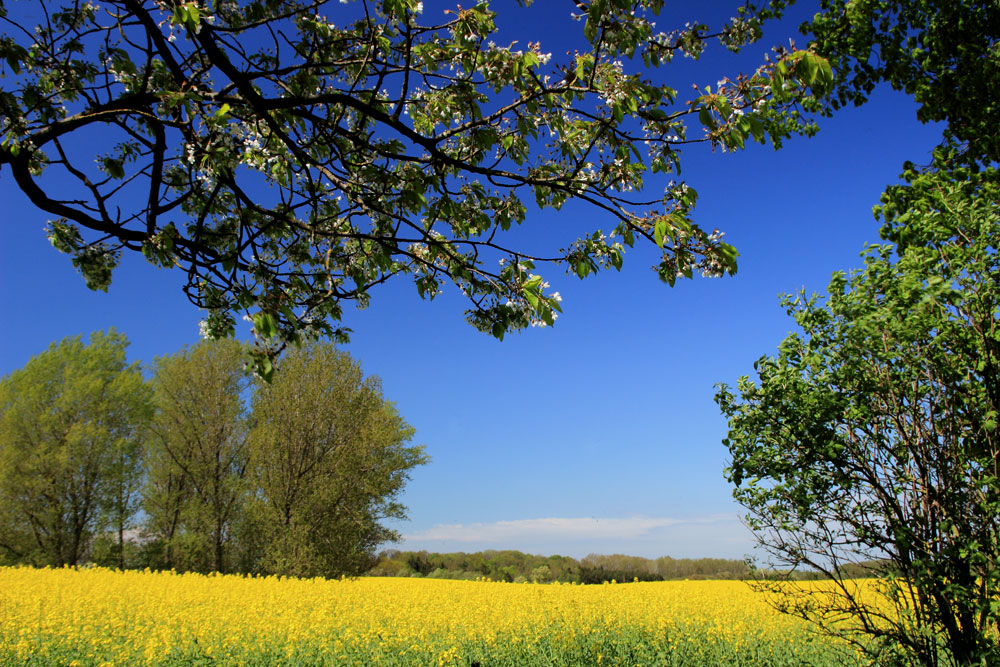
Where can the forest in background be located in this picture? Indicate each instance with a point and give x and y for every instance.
(518, 567)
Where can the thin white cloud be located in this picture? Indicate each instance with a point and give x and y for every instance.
(561, 529)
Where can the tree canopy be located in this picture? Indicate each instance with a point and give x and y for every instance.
(872, 436)
(289, 155)
(328, 460)
(869, 441)
(942, 52)
(198, 453)
(232, 475)
(72, 422)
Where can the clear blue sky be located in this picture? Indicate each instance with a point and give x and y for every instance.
(599, 435)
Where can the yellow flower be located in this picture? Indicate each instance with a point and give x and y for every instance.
(147, 619)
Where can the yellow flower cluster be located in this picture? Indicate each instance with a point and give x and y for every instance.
(93, 617)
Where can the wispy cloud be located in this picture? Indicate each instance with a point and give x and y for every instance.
(567, 529)
(714, 535)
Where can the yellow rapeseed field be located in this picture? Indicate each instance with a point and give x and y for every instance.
(100, 617)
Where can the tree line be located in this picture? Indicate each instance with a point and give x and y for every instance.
(519, 567)
(201, 467)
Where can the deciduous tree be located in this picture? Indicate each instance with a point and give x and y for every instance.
(125, 473)
(871, 438)
(329, 458)
(71, 422)
(198, 453)
(289, 156)
(942, 52)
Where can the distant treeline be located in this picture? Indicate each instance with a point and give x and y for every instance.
(518, 567)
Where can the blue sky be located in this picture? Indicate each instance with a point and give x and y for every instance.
(600, 434)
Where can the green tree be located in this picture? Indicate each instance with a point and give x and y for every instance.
(126, 471)
(942, 52)
(871, 438)
(165, 495)
(198, 454)
(287, 158)
(71, 422)
(329, 457)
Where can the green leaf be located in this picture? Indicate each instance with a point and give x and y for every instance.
(725, 109)
(728, 254)
(265, 325)
(265, 368)
(660, 230)
(705, 116)
(617, 260)
(737, 139)
(114, 168)
(778, 85)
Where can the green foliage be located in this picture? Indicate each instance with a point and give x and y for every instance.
(872, 435)
(198, 454)
(328, 458)
(231, 475)
(942, 52)
(287, 177)
(593, 569)
(71, 425)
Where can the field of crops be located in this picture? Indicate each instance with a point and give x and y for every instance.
(96, 617)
